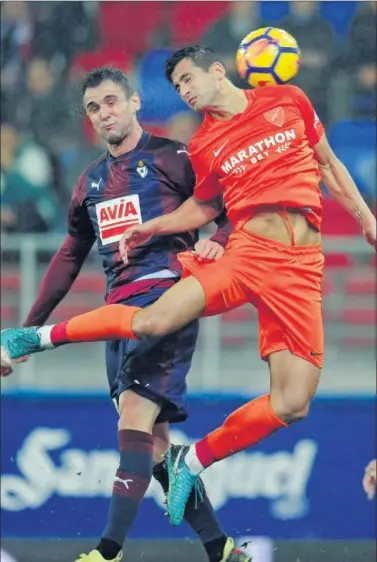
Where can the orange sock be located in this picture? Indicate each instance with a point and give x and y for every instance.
(242, 428)
(111, 322)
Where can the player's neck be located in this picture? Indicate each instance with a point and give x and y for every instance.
(128, 143)
(230, 102)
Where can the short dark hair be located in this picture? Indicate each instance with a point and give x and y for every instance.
(201, 55)
(98, 75)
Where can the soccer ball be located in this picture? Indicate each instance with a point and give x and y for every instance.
(268, 56)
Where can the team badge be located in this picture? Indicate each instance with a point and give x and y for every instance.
(142, 169)
(275, 116)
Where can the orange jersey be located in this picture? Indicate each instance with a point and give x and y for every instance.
(261, 157)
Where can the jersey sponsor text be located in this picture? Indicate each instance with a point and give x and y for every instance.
(116, 215)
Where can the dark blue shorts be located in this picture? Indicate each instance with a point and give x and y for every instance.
(154, 367)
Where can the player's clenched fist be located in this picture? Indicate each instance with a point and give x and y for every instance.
(369, 480)
(208, 250)
(134, 237)
(6, 363)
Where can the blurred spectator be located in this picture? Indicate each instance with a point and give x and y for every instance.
(361, 58)
(45, 107)
(227, 33)
(162, 36)
(362, 41)
(28, 203)
(316, 40)
(62, 29)
(16, 35)
(182, 127)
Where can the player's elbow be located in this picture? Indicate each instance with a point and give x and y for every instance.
(209, 209)
(329, 174)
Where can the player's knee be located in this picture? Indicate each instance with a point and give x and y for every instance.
(136, 420)
(146, 325)
(290, 406)
(293, 385)
(137, 412)
(297, 410)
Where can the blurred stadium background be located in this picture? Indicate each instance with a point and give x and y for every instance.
(300, 492)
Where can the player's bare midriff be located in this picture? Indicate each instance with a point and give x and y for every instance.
(274, 226)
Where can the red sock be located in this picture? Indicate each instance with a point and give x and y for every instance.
(111, 322)
(243, 428)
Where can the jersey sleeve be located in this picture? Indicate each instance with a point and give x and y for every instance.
(79, 225)
(207, 185)
(67, 262)
(224, 229)
(58, 279)
(313, 126)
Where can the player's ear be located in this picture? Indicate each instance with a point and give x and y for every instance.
(135, 102)
(218, 70)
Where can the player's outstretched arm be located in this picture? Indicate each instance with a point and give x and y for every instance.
(192, 214)
(342, 187)
(58, 279)
(68, 260)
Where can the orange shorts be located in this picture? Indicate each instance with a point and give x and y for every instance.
(283, 282)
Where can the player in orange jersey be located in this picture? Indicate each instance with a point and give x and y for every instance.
(265, 152)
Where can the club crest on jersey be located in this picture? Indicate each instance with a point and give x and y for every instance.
(116, 215)
(142, 169)
(275, 116)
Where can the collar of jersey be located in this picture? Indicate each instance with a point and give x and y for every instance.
(250, 97)
(143, 141)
